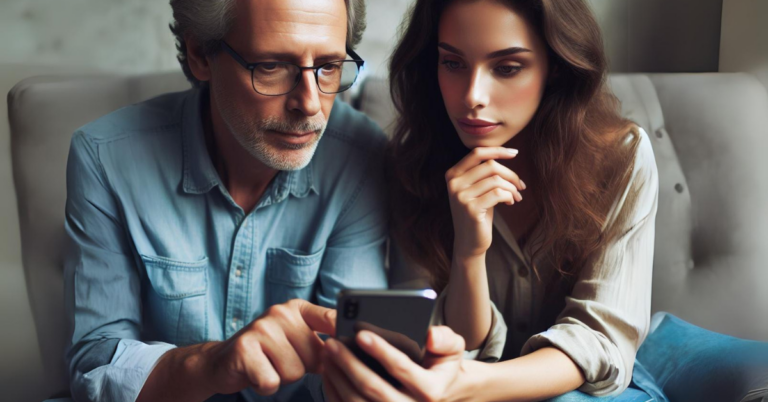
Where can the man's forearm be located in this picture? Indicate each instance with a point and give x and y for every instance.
(467, 305)
(180, 375)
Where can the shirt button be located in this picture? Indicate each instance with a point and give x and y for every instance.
(522, 271)
(238, 273)
(234, 322)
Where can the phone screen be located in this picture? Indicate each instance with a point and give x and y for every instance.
(401, 317)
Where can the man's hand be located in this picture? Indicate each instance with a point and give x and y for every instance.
(277, 348)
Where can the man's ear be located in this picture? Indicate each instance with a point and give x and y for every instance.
(198, 63)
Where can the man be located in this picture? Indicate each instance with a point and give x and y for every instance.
(198, 217)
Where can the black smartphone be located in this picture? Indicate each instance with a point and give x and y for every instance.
(401, 317)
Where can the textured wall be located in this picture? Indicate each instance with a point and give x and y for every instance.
(121, 35)
(744, 41)
(660, 35)
(132, 36)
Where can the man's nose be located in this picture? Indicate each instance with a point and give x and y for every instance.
(305, 98)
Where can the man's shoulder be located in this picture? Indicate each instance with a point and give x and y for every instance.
(351, 130)
(156, 115)
(350, 152)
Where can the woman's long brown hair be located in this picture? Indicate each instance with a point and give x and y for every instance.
(583, 150)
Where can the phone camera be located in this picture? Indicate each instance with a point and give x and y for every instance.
(350, 309)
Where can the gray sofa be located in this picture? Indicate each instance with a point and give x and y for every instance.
(709, 133)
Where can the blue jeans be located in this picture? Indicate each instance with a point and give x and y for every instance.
(630, 395)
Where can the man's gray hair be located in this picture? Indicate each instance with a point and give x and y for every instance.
(208, 21)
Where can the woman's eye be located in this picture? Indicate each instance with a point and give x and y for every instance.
(508, 70)
(451, 64)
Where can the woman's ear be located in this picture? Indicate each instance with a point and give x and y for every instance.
(198, 63)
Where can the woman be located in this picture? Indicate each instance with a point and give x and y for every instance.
(527, 198)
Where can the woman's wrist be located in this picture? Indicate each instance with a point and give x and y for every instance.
(469, 261)
(473, 380)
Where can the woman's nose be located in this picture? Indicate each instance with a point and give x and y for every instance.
(478, 91)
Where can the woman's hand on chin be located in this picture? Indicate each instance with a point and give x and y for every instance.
(475, 185)
(446, 376)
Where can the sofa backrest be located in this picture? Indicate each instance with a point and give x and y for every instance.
(43, 113)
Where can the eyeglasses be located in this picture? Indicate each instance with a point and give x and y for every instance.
(275, 78)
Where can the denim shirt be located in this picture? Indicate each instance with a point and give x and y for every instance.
(162, 256)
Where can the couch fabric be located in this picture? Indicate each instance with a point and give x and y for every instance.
(709, 133)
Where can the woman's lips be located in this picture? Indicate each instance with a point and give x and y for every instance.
(476, 127)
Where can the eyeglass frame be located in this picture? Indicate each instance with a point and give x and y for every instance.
(252, 66)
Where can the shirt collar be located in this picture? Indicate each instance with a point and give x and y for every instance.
(199, 175)
(509, 238)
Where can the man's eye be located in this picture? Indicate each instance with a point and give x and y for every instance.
(330, 68)
(268, 67)
(508, 70)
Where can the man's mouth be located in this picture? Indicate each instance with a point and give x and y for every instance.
(295, 138)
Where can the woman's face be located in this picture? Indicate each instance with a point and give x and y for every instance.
(492, 69)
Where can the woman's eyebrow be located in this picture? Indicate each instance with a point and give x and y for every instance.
(499, 53)
(450, 48)
(507, 52)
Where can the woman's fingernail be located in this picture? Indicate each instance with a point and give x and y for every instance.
(512, 151)
(522, 183)
(332, 346)
(365, 339)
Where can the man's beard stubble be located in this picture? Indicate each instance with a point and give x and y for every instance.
(253, 137)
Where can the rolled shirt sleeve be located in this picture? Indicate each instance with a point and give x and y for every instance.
(607, 315)
(106, 360)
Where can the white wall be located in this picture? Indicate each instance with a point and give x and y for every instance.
(744, 40)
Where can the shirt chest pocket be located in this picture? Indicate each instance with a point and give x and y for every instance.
(177, 302)
(291, 274)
